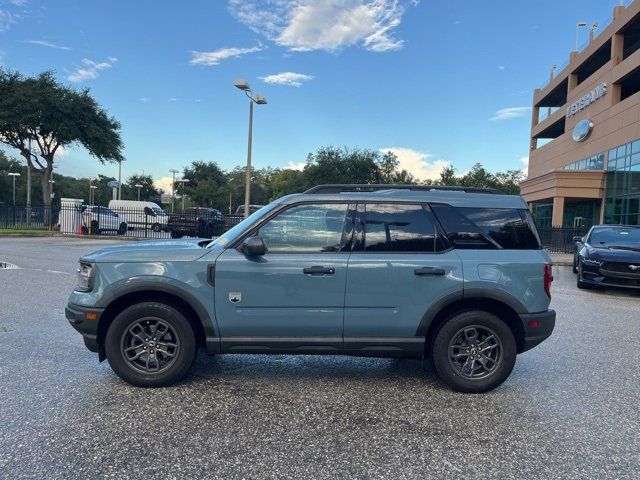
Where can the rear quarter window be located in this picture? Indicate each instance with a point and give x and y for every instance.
(487, 228)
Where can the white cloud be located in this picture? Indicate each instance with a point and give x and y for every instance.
(12, 13)
(287, 78)
(306, 25)
(44, 43)
(418, 164)
(296, 165)
(144, 99)
(173, 99)
(209, 59)
(501, 67)
(6, 20)
(511, 112)
(164, 184)
(90, 69)
(525, 160)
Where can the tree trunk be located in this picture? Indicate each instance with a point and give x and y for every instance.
(45, 175)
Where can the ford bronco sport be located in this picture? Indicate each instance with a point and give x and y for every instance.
(453, 274)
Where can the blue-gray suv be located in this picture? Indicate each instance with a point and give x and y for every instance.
(456, 275)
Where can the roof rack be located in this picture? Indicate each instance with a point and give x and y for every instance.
(339, 188)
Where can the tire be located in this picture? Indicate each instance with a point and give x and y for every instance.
(575, 265)
(95, 230)
(126, 345)
(474, 377)
(122, 229)
(156, 227)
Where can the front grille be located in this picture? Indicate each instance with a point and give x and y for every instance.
(625, 270)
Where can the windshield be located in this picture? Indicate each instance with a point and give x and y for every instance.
(223, 240)
(615, 236)
(158, 211)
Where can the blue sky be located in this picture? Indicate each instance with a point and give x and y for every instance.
(439, 82)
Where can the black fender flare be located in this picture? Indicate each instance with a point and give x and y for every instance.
(161, 285)
(468, 294)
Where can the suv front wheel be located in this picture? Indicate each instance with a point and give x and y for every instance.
(150, 344)
(474, 352)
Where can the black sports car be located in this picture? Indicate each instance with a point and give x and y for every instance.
(608, 255)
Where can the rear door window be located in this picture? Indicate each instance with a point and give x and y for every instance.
(400, 228)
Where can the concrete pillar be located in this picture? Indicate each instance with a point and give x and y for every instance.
(615, 93)
(618, 10)
(557, 216)
(617, 48)
(535, 116)
(573, 81)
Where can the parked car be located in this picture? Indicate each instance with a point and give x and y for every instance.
(96, 220)
(608, 256)
(455, 275)
(252, 209)
(141, 214)
(196, 222)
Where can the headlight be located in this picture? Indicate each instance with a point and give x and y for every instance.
(588, 261)
(83, 283)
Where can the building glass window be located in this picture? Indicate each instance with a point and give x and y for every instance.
(622, 185)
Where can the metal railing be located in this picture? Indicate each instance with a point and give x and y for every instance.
(120, 222)
(560, 239)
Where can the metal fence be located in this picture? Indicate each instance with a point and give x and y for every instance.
(117, 222)
(560, 239)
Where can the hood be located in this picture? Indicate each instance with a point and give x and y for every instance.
(611, 253)
(151, 251)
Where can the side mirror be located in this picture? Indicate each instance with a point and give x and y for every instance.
(577, 239)
(148, 211)
(253, 247)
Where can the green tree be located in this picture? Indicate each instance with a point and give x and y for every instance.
(342, 165)
(390, 173)
(42, 115)
(148, 191)
(205, 184)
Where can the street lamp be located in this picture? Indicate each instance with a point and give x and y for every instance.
(260, 100)
(14, 175)
(138, 186)
(92, 194)
(578, 25)
(173, 186)
(182, 181)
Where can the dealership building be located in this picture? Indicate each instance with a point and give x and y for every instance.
(584, 162)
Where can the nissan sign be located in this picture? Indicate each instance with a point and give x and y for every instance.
(587, 99)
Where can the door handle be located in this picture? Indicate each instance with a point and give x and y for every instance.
(319, 269)
(429, 271)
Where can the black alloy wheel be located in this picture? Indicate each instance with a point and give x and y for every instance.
(474, 351)
(150, 344)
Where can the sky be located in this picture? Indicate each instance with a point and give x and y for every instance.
(436, 82)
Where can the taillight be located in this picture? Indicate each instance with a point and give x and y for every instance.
(548, 278)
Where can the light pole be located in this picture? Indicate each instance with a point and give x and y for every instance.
(92, 194)
(182, 181)
(14, 175)
(260, 100)
(173, 186)
(578, 25)
(138, 186)
(592, 31)
(120, 180)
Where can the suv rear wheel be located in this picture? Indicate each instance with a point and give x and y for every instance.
(150, 344)
(474, 352)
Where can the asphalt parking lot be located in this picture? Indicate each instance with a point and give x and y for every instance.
(569, 410)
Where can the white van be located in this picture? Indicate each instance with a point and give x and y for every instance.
(141, 214)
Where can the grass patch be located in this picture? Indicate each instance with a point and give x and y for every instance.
(25, 231)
